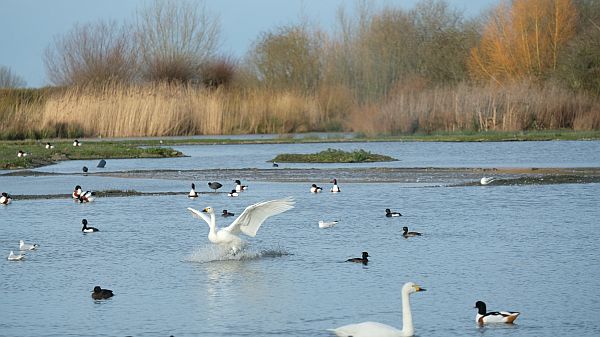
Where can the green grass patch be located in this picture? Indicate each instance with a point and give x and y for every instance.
(38, 155)
(332, 156)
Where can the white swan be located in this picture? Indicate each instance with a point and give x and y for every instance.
(327, 224)
(373, 329)
(27, 246)
(13, 257)
(247, 223)
(486, 180)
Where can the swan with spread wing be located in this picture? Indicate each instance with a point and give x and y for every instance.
(247, 223)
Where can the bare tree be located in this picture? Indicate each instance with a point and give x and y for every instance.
(91, 53)
(8, 79)
(287, 58)
(174, 40)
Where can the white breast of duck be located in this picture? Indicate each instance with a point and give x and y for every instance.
(233, 193)
(193, 193)
(335, 188)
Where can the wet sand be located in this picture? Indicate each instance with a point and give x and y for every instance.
(420, 177)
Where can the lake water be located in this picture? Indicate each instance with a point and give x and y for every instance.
(532, 249)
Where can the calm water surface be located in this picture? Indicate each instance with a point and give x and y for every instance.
(532, 249)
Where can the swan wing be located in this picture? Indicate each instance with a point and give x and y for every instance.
(197, 214)
(254, 215)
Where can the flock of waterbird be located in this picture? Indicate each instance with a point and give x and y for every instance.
(248, 223)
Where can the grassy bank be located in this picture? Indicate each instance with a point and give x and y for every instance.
(38, 155)
(332, 156)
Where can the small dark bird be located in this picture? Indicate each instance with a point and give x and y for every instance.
(390, 214)
(87, 229)
(408, 234)
(101, 294)
(214, 185)
(364, 259)
(84, 169)
(275, 164)
(226, 213)
(101, 163)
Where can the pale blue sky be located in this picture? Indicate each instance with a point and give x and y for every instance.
(27, 27)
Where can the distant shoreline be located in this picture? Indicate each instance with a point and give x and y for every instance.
(158, 147)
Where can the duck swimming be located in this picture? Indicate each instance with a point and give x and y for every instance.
(193, 193)
(374, 329)
(335, 188)
(408, 234)
(87, 229)
(247, 223)
(233, 193)
(315, 189)
(484, 317)
(5, 199)
(226, 213)
(390, 214)
(239, 187)
(82, 196)
(101, 294)
(364, 259)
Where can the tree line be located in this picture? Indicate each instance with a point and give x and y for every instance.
(375, 62)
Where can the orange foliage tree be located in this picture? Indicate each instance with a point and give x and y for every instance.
(523, 39)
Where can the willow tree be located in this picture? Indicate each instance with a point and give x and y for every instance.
(523, 39)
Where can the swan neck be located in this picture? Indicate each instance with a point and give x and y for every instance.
(407, 323)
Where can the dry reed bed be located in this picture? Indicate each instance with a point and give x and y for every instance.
(161, 110)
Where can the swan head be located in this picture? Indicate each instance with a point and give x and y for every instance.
(411, 287)
(208, 210)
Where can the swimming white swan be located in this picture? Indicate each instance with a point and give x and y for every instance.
(247, 223)
(484, 317)
(486, 180)
(373, 329)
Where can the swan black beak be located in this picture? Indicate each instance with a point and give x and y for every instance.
(204, 211)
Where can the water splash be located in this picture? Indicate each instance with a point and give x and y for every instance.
(210, 253)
